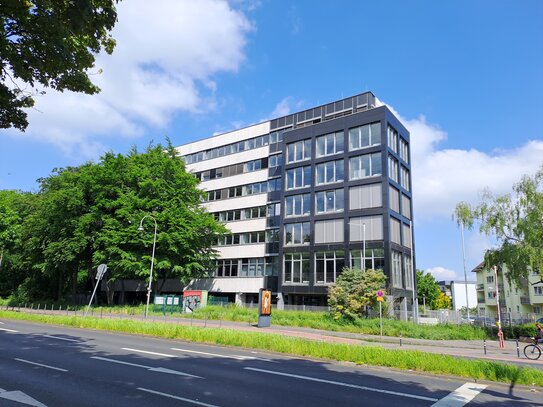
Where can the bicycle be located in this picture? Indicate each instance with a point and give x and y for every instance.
(532, 351)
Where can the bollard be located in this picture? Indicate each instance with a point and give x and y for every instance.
(39, 307)
(484, 345)
(60, 309)
(518, 350)
(205, 322)
(400, 341)
(101, 312)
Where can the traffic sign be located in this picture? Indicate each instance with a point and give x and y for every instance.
(380, 299)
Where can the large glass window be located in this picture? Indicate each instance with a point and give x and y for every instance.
(406, 206)
(329, 172)
(396, 266)
(297, 233)
(298, 177)
(253, 267)
(297, 205)
(406, 235)
(328, 266)
(276, 160)
(329, 231)
(393, 168)
(404, 177)
(227, 268)
(366, 228)
(365, 136)
(374, 259)
(392, 136)
(404, 150)
(329, 201)
(408, 271)
(330, 144)
(363, 166)
(394, 198)
(296, 270)
(395, 231)
(299, 151)
(365, 196)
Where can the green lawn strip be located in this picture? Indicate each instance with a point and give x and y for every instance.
(368, 355)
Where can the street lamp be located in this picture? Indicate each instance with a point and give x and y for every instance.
(465, 274)
(140, 228)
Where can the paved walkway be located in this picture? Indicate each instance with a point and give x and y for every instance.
(473, 349)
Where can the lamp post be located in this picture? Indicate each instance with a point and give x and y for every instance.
(465, 274)
(500, 332)
(152, 261)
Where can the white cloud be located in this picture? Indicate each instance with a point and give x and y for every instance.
(441, 273)
(166, 56)
(444, 177)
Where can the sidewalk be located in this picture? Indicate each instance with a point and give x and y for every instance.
(471, 349)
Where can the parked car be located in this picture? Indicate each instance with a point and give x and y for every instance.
(539, 320)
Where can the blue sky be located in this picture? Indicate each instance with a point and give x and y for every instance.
(466, 77)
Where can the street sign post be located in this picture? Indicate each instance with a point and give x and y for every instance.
(380, 299)
(100, 271)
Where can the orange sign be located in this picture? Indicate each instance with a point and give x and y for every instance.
(265, 303)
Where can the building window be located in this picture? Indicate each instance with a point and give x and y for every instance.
(374, 259)
(329, 201)
(276, 160)
(408, 271)
(395, 231)
(536, 309)
(299, 177)
(538, 290)
(330, 144)
(328, 266)
(489, 279)
(254, 267)
(365, 136)
(392, 136)
(396, 268)
(299, 151)
(363, 166)
(329, 172)
(365, 196)
(251, 166)
(296, 270)
(329, 231)
(373, 229)
(404, 150)
(227, 268)
(406, 235)
(297, 205)
(393, 168)
(274, 184)
(404, 178)
(491, 294)
(406, 206)
(297, 233)
(394, 198)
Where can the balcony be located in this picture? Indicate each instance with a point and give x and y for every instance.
(480, 287)
(524, 300)
(481, 300)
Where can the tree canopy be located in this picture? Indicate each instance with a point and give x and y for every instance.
(516, 221)
(427, 289)
(354, 291)
(51, 43)
(87, 215)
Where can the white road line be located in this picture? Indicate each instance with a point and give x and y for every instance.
(461, 396)
(354, 386)
(20, 397)
(149, 353)
(8, 330)
(218, 355)
(59, 338)
(152, 369)
(39, 364)
(199, 403)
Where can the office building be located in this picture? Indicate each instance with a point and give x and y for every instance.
(305, 195)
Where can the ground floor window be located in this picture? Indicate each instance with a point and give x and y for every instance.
(296, 270)
(396, 269)
(328, 266)
(374, 259)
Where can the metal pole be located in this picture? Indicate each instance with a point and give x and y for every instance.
(415, 317)
(381, 317)
(152, 262)
(92, 296)
(465, 274)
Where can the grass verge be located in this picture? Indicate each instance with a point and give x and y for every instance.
(362, 355)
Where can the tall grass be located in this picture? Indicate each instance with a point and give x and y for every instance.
(367, 355)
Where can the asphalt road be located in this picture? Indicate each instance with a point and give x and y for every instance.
(46, 365)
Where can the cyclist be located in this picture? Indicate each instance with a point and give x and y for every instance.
(539, 337)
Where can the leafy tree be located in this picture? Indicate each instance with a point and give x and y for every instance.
(442, 302)
(516, 221)
(51, 43)
(427, 288)
(355, 290)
